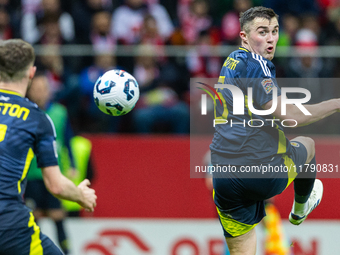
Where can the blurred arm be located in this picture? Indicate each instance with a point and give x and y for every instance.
(63, 188)
(318, 111)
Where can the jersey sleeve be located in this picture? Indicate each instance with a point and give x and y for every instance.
(46, 147)
(263, 80)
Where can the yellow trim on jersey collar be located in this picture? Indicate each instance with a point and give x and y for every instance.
(242, 48)
(10, 92)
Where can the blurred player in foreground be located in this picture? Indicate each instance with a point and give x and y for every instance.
(239, 197)
(37, 197)
(26, 131)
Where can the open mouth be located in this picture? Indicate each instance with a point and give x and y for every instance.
(270, 48)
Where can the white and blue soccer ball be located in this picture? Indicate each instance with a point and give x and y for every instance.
(116, 92)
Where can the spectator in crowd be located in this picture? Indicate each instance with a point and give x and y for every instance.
(51, 34)
(230, 25)
(159, 105)
(149, 32)
(218, 8)
(332, 36)
(58, 72)
(200, 63)
(13, 10)
(150, 36)
(52, 62)
(288, 30)
(146, 69)
(194, 18)
(311, 22)
(127, 20)
(330, 32)
(329, 10)
(37, 196)
(100, 35)
(333, 30)
(82, 12)
(329, 3)
(6, 31)
(30, 6)
(170, 6)
(32, 28)
(310, 67)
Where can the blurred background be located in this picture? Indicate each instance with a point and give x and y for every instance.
(139, 163)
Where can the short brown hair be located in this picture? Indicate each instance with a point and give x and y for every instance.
(16, 56)
(256, 12)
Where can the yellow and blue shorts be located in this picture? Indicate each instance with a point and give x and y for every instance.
(239, 196)
(26, 241)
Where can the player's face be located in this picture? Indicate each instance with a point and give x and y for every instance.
(262, 37)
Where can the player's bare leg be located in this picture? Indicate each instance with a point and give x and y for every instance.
(243, 245)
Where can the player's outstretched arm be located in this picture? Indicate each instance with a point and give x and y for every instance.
(318, 111)
(63, 188)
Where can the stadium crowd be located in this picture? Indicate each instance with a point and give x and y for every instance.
(163, 80)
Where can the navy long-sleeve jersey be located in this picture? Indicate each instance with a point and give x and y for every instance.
(239, 142)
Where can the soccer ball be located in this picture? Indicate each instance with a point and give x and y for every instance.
(116, 92)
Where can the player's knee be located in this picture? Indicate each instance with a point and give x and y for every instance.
(309, 145)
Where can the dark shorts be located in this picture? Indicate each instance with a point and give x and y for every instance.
(240, 200)
(27, 241)
(38, 197)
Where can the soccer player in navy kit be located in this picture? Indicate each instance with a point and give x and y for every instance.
(239, 198)
(25, 130)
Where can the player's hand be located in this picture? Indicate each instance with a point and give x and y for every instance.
(88, 196)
